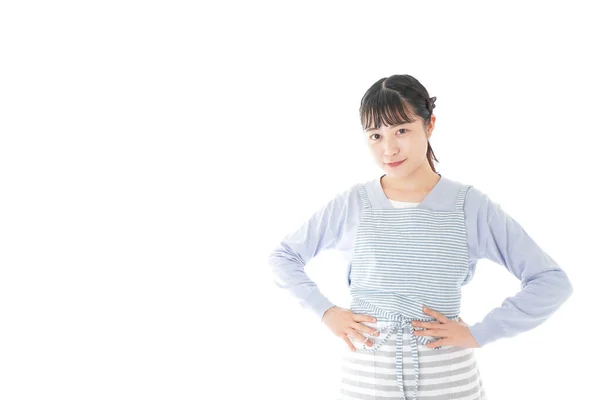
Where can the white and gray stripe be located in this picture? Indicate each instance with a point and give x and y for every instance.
(448, 373)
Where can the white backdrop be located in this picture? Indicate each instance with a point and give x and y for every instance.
(153, 154)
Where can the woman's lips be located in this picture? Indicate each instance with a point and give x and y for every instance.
(395, 164)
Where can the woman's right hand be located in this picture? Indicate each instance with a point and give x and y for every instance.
(345, 324)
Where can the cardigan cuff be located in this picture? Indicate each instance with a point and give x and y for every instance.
(486, 333)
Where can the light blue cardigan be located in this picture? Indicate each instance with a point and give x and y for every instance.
(491, 234)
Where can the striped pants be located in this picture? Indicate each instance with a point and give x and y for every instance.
(444, 374)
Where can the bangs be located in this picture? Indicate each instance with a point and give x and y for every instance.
(385, 107)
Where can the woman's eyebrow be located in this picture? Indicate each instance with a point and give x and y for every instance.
(393, 126)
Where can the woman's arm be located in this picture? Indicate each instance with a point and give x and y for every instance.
(544, 285)
(322, 231)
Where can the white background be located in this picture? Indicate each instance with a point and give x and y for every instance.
(153, 154)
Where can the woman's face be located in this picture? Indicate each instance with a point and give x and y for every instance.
(407, 142)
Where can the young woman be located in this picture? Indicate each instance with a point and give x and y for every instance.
(413, 238)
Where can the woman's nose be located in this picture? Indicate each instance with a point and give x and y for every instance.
(390, 147)
(391, 150)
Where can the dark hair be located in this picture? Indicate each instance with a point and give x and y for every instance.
(389, 99)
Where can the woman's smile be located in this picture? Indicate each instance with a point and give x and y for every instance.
(395, 164)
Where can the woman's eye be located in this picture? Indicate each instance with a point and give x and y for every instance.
(377, 134)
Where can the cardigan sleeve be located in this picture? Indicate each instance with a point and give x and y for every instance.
(544, 284)
(323, 230)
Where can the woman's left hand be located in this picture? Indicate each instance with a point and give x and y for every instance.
(452, 333)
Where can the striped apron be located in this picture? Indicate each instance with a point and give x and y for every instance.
(404, 259)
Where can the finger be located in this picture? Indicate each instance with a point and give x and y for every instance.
(364, 318)
(429, 324)
(437, 343)
(350, 345)
(359, 338)
(365, 329)
(439, 316)
(432, 332)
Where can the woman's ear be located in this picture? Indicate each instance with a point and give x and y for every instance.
(430, 126)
